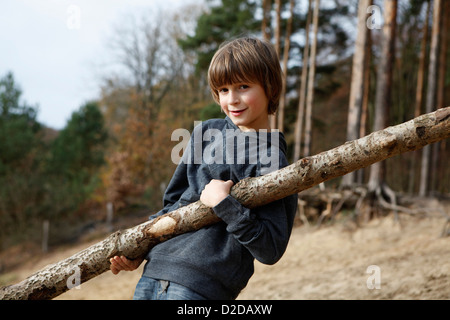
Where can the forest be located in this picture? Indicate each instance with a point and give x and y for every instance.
(351, 68)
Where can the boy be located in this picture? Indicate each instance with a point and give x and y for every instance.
(216, 262)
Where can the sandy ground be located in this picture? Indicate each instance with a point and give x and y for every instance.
(410, 260)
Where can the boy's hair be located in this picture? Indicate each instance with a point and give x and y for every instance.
(247, 60)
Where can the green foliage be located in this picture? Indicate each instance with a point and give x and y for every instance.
(18, 126)
(211, 111)
(227, 19)
(41, 179)
(20, 147)
(75, 158)
(77, 150)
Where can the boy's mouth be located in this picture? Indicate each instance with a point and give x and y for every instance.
(237, 113)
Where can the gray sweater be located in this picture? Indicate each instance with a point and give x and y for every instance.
(217, 261)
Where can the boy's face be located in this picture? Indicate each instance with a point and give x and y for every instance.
(246, 105)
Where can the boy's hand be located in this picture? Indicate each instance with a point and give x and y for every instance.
(124, 264)
(215, 191)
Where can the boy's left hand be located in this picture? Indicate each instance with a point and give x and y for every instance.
(215, 191)
(121, 263)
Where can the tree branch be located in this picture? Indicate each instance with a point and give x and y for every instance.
(135, 242)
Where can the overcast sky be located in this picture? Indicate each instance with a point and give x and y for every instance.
(55, 49)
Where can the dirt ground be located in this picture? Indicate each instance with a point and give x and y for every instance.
(410, 260)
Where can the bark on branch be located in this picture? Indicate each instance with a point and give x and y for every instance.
(135, 242)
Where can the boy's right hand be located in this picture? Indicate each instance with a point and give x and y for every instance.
(215, 191)
(124, 264)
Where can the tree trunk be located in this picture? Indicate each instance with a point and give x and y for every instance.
(267, 34)
(135, 242)
(265, 25)
(431, 92)
(384, 84)
(365, 104)
(421, 71)
(302, 95)
(278, 27)
(443, 53)
(419, 92)
(311, 76)
(273, 118)
(287, 46)
(357, 84)
(440, 90)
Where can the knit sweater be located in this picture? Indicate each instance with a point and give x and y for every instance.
(217, 261)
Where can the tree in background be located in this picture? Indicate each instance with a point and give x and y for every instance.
(419, 90)
(383, 99)
(153, 96)
(431, 92)
(18, 126)
(265, 23)
(311, 80)
(74, 160)
(287, 46)
(44, 175)
(78, 148)
(20, 152)
(222, 21)
(302, 91)
(358, 87)
(399, 87)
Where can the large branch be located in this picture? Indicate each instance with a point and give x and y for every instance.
(135, 242)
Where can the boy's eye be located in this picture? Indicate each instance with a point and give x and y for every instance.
(240, 87)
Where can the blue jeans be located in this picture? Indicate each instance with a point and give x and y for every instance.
(152, 289)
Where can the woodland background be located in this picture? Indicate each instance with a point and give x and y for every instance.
(117, 149)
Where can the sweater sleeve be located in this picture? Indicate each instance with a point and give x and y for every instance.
(175, 189)
(264, 230)
(178, 184)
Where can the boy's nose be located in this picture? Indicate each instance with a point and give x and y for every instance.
(234, 98)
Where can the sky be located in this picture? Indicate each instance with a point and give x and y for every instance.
(56, 49)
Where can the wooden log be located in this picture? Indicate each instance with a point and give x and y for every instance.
(135, 242)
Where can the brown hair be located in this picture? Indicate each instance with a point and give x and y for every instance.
(247, 60)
